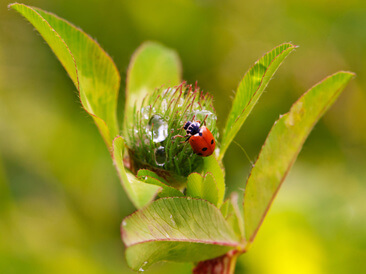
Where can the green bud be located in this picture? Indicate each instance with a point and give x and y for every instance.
(151, 133)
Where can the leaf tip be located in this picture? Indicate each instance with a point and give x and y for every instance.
(346, 75)
(350, 73)
(292, 45)
(12, 4)
(112, 149)
(172, 51)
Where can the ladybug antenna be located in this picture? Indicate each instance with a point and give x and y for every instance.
(246, 154)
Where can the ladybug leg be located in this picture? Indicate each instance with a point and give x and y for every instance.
(180, 136)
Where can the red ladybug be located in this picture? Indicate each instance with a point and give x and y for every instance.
(200, 138)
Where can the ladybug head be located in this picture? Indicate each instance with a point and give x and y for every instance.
(192, 128)
(187, 125)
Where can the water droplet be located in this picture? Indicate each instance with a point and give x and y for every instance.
(157, 128)
(201, 115)
(124, 223)
(160, 156)
(145, 112)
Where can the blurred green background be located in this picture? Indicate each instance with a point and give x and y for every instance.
(61, 203)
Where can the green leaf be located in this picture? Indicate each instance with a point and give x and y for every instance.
(211, 165)
(203, 187)
(210, 187)
(145, 172)
(152, 66)
(282, 146)
(233, 215)
(139, 192)
(176, 229)
(250, 89)
(89, 66)
(152, 178)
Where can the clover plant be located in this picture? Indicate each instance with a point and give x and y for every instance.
(182, 214)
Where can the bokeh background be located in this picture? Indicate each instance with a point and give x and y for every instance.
(61, 203)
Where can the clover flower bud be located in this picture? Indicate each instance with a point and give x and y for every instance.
(152, 132)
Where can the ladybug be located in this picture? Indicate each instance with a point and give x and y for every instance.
(200, 138)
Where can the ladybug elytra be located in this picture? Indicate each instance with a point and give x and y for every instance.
(200, 138)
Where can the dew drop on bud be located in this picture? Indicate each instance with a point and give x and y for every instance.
(157, 128)
(146, 111)
(160, 156)
(201, 115)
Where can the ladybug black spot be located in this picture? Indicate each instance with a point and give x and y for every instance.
(212, 141)
(200, 133)
(204, 149)
(200, 154)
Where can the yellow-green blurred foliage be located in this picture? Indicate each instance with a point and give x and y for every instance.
(60, 199)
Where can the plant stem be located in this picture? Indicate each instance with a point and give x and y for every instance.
(221, 265)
